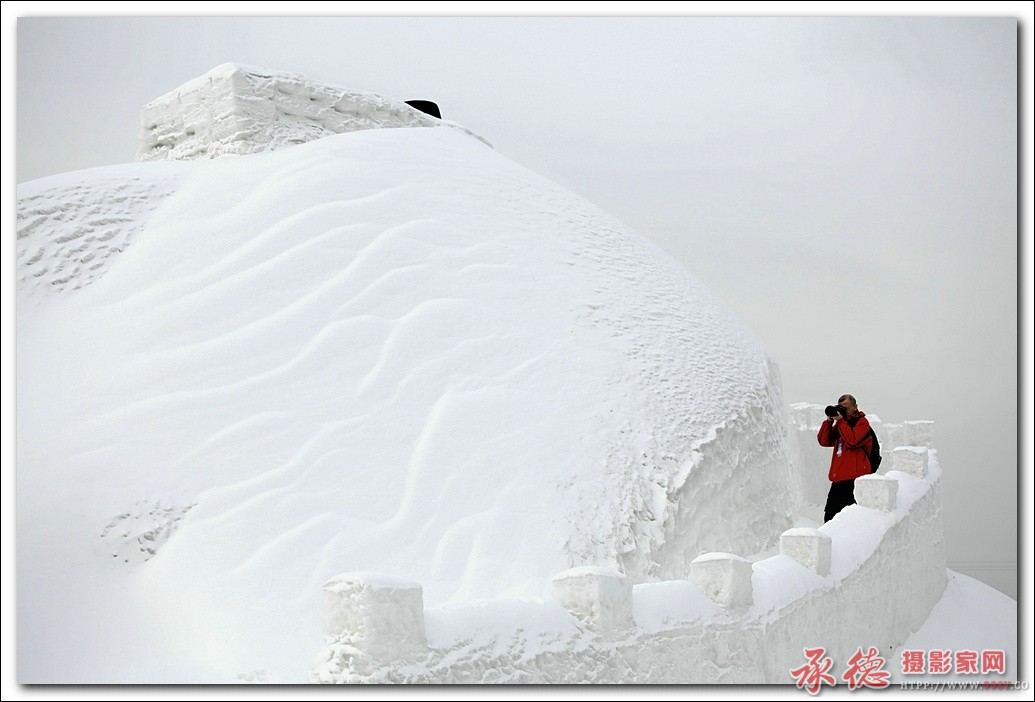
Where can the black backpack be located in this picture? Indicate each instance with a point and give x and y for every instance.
(875, 457)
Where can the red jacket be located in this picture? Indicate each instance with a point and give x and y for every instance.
(851, 442)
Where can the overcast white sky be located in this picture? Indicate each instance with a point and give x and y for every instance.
(847, 185)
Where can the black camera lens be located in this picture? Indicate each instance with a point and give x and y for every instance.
(834, 410)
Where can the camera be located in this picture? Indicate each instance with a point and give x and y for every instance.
(835, 410)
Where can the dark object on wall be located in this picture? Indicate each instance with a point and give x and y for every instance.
(425, 106)
(875, 457)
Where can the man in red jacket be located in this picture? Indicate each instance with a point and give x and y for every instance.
(849, 435)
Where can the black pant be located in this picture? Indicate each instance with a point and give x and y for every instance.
(842, 494)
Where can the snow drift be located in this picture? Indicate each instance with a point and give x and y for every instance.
(389, 350)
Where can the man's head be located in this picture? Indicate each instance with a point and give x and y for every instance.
(848, 402)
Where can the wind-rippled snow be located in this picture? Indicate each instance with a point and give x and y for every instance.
(390, 350)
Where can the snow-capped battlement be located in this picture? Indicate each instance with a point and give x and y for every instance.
(235, 109)
(813, 465)
(731, 621)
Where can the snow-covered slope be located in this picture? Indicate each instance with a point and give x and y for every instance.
(389, 350)
(971, 616)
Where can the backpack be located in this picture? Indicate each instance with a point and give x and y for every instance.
(875, 457)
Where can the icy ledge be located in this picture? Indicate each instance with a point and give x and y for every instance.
(868, 578)
(235, 109)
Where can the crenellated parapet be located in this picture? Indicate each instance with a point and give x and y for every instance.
(868, 578)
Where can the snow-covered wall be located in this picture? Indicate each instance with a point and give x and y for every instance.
(866, 579)
(812, 465)
(738, 457)
(235, 109)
